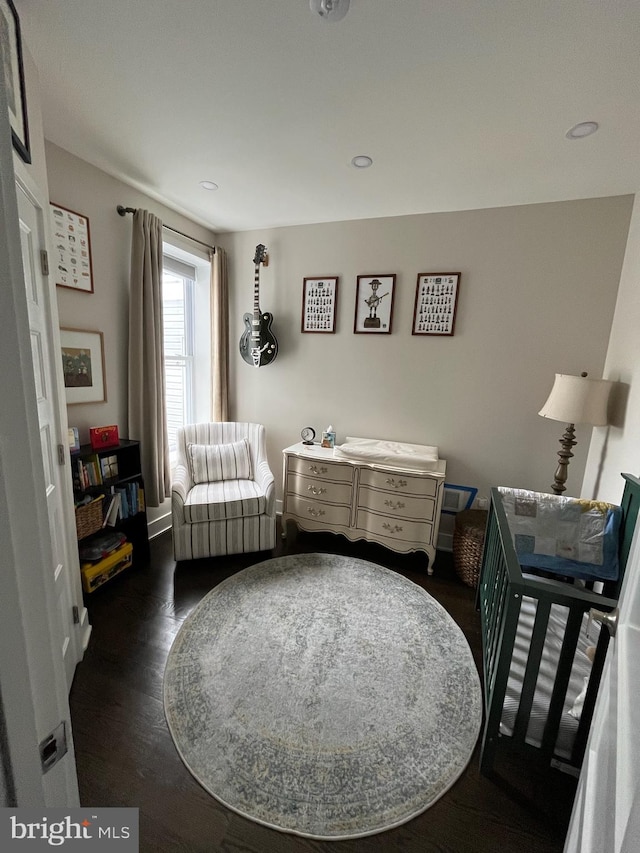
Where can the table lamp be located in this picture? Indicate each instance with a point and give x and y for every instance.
(574, 400)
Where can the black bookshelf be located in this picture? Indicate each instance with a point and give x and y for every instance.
(108, 471)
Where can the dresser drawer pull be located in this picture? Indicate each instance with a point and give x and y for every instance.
(391, 505)
(315, 470)
(316, 513)
(315, 491)
(392, 528)
(400, 484)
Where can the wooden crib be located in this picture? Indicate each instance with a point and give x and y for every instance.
(536, 619)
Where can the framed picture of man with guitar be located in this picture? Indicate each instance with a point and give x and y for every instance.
(374, 304)
(258, 344)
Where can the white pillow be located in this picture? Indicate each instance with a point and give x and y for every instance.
(213, 462)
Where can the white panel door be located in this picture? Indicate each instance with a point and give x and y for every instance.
(33, 240)
(32, 678)
(606, 812)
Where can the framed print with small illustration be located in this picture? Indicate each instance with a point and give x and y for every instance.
(319, 302)
(72, 244)
(13, 74)
(434, 311)
(82, 353)
(374, 304)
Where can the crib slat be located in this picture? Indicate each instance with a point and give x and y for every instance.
(531, 671)
(500, 598)
(563, 674)
(597, 666)
(497, 618)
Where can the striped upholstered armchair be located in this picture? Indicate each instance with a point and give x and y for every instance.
(222, 491)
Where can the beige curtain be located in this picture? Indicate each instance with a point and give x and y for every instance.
(147, 417)
(219, 337)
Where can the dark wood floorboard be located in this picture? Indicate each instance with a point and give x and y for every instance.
(126, 757)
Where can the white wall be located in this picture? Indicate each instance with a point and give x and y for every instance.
(79, 186)
(537, 296)
(616, 449)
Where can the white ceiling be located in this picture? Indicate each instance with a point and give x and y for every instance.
(462, 104)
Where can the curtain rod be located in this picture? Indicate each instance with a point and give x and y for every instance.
(124, 210)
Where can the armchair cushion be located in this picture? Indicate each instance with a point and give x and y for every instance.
(211, 463)
(224, 499)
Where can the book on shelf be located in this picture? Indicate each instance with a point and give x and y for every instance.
(112, 511)
(124, 503)
(109, 467)
(131, 499)
(88, 472)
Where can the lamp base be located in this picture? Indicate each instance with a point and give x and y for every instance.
(564, 455)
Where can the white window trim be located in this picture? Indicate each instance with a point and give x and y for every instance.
(201, 360)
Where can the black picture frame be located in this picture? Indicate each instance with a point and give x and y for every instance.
(436, 303)
(373, 311)
(72, 266)
(13, 72)
(319, 303)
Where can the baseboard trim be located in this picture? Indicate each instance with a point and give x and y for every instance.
(159, 525)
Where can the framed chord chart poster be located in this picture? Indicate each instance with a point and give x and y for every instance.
(434, 312)
(319, 301)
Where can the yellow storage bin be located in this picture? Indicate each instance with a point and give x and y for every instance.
(95, 574)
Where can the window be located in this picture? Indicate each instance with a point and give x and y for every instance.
(185, 303)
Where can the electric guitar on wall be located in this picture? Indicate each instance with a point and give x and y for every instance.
(258, 345)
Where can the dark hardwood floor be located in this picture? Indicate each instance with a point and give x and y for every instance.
(126, 757)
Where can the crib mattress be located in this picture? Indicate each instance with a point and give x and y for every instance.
(548, 664)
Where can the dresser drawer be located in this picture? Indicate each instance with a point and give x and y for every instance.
(319, 490)
(399, 529)
(326, 514)
(321, 469)
(405, 506)
(407, 484)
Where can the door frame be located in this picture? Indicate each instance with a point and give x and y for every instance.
(33, 695)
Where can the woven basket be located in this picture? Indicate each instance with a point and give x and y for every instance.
(468, 542)
(89, 518)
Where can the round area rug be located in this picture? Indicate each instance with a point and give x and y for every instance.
(322, 695)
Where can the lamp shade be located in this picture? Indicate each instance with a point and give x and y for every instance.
(578, 400)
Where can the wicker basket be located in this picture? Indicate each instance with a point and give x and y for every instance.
(89, 517)
(468, 542)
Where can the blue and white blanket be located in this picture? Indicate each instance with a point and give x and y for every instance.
(567, 536)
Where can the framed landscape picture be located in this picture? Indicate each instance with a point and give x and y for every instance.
(83, 366)
(319, 302)
(13, 74)
(374, 304)
(71, 264)
(434, 311)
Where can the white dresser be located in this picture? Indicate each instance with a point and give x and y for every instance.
(397, 508)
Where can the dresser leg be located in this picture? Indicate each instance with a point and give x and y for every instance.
(431, 558)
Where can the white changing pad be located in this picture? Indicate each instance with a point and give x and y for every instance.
(417, 457)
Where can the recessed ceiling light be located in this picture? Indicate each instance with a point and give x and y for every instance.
(361, 161)
(579, 131)
(208, 185)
